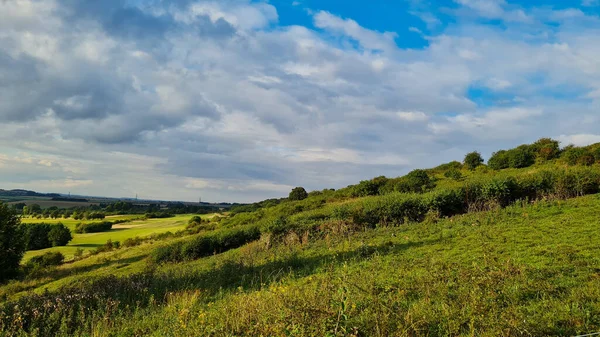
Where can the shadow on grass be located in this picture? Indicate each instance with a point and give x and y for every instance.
(87, 245)
(231, 275)
(149, 288)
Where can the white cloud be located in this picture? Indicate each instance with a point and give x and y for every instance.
(413, 116)
(579, 139)
(214, 98)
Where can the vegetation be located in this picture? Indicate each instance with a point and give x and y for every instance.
(12, 245)
(93, 227)
(450, 251)
(45, 235)
(298, 193)
(473, 160)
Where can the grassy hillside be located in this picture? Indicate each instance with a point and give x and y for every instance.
(442, 252)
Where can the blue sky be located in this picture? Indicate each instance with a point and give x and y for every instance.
(240, 100)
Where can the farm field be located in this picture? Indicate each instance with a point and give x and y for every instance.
(119, 232)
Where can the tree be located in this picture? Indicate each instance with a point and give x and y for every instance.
(499, 160)
(520, 157)
(12, 245)
(571, 154)
(35, 209)
(59, 235)
(473, 159)
(546, 149)
(418, 181)
(298, 193)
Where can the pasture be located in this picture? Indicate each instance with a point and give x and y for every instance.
(119, 232)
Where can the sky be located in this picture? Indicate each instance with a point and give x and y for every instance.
(240, 100)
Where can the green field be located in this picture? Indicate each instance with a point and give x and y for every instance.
(119, 232)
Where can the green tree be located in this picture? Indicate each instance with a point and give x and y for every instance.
(418, 181)
(298, 193)
(59, 235)
(35, 209)
(546, 149)
(12, 244)
(521, 156)
(499, 160)
(472, 160)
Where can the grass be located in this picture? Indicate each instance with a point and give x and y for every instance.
(119, 232)
(526, 270)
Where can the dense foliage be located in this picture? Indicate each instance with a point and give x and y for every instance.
(12, 243)
(93, 227)
(473, 160)
(298, 193)
(45, 235)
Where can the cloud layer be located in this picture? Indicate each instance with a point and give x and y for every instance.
(182, 99)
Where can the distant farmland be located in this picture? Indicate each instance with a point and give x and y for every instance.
(48, 202)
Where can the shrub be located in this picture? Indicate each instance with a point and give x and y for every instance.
(521, 157)
(59, 235)
(499, 160)
(12, 243)
(365, 188)
(158, 215)
(298, 193)
(454, 174)
(586, 160)
(46, 260)
(446, 202)
(202, 245)
(472, 160)
(418, 181)
(94, 216)
(546, 149)
(131, 242)
(93, 227)
(108, 246)
(571, 154)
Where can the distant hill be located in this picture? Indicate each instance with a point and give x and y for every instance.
(26, 193)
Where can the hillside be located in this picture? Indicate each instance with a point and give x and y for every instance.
(450, 251)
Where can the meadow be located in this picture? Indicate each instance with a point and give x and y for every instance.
(119, 232)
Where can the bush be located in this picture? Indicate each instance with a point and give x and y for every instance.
(571, 155)
(108, 246)
(12, 243)
(202, 245)
(586, 160)
(454, 174)
(46, 260)
(521, 157)
(158, 215)
(94, 216)
(546, 149)
(472, 160)
(499, 160)
(93, 227)
(418, 181)
(298, 193)
(59, 235)
(132, 242)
